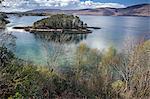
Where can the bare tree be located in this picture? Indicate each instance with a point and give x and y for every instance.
(134, 68)
(7, 40)
(58, 47)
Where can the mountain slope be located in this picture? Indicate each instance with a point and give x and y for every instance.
(135, 10)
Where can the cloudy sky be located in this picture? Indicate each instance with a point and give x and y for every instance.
(21, 5)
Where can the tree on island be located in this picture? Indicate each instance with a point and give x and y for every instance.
(60, 21)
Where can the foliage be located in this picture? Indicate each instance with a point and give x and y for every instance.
(6, 56)
(117, 85)
(60, 21)
(93, 74)
(3, 20)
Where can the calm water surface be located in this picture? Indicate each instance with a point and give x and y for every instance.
(114, 32)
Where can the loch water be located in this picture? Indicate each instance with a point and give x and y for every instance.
(115, 31)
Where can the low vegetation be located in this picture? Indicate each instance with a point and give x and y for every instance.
(3, 20)
(92, 74)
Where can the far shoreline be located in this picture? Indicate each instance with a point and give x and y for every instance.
(21, 14)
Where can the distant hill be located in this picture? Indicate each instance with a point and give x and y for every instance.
(44, 10)
(135, 10)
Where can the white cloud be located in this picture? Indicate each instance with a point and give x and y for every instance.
(62, 4)
(91, 4)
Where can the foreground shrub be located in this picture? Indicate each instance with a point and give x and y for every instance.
(92, 74)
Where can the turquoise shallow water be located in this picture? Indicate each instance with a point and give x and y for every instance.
(115, 31)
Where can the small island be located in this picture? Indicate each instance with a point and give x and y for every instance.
(59, 23)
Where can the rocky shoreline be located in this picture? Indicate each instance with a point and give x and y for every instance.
(66, 31)
(60, 23)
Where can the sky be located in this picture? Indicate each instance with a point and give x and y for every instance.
(22, 5)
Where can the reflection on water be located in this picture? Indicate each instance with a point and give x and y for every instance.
(114, 32)
(60, 38)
